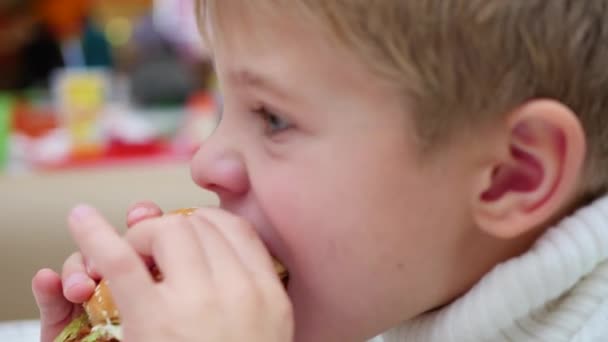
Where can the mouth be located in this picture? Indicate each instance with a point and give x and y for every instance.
(279, 267)
(267, 232)
(275, 251)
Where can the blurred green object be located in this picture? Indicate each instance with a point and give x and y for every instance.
(6, 111)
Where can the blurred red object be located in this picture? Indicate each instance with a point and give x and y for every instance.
(33, 122)
(120, 149)
(64, 17)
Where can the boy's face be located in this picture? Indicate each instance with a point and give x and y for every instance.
(320, 155)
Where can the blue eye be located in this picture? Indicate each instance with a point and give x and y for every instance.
(274, 123)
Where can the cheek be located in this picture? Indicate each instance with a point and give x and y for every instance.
(338, 219)
(349, 245)
(357, 233)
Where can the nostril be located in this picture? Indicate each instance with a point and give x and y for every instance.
(223, 193)
(213, 187)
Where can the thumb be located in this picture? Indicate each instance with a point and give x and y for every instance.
(55, 310)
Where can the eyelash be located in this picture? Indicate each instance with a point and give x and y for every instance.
(270, 118)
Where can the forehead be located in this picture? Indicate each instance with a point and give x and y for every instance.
(256, 25)
(256, 41)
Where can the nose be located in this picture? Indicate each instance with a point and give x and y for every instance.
(218, 167)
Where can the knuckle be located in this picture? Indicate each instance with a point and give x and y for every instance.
(244, 294)
(277, 300)
(121, 262)
(240, 222)
(245, 228)
(140, 226)
(163, 236)
(198, 224)
(136, 226)
(279, 310)
(194, 303)
(74, 259)
(175, 221)
(204, 302)
(230, 220)
(173, 225)
(196, 218)
(74, 262)
(284, 311)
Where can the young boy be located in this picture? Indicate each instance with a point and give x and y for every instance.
(427, 170)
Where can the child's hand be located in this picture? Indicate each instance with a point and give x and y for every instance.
(219, 281)
(59, 299)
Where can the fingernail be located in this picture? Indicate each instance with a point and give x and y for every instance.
(138, 213)
(81, 212)
(76, 279)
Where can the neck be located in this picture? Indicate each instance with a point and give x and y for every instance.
(528, 282)
(474, 263)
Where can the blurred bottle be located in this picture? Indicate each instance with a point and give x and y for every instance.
(82, 97)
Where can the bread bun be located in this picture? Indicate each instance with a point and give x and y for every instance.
(100, 308)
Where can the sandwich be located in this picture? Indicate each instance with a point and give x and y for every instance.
(100, 321)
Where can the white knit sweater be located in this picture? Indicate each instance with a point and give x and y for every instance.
(557, 291)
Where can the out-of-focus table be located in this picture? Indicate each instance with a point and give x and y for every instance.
(33, 209)
(28, 331)
(20, 331)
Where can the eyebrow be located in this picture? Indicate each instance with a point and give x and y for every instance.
(251, 79)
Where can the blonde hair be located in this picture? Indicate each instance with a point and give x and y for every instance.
(466, 63)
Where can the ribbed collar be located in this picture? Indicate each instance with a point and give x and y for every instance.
(515, 289)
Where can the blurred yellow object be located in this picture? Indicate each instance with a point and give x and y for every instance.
(83, 95)
(184, 211)
(106, 10)
(118, 31)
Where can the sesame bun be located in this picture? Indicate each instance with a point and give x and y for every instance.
(101, 308)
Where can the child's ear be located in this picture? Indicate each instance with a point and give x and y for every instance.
(536, 168)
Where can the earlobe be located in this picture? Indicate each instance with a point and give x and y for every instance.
(536, 172)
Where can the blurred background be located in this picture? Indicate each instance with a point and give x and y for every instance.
(103, 102)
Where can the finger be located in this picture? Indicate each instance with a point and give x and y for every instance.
(174, 246)
(244, 240)
(129, 280)
(141, 211)
(226, 266)
(77, 284)
(92, 269)
(55, 310)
